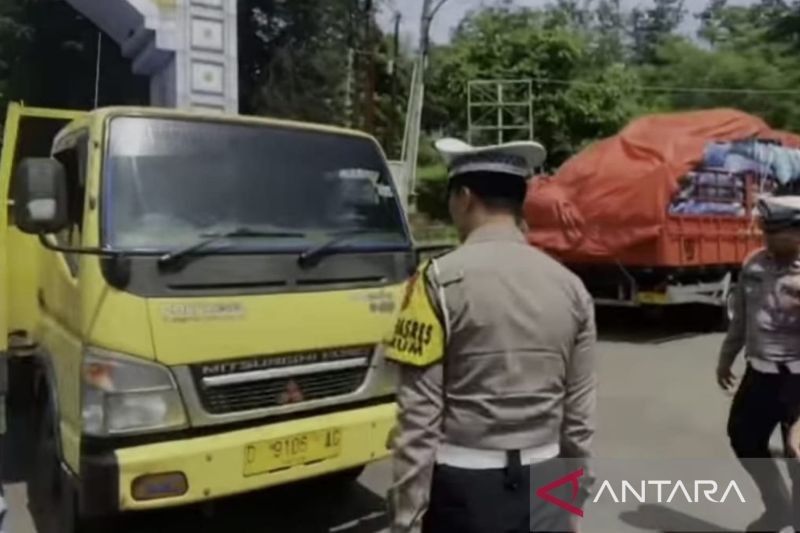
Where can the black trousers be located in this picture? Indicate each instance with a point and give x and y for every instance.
(493, 501)
(763, 403)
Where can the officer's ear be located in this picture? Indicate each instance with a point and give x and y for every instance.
(457, 190)
(459, 201)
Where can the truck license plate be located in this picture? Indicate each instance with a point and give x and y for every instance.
(286, 452)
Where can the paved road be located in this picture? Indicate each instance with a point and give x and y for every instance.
(657, 399)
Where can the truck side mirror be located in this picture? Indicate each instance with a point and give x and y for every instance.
(40, 196)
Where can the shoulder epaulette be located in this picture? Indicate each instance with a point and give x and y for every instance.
(439, 250)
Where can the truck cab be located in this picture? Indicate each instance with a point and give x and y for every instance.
(202, 298)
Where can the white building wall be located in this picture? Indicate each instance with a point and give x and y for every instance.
(189, 48)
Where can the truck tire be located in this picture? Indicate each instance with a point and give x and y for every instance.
(726, 314)
(720, 316)
(21, 372)
(52, 496)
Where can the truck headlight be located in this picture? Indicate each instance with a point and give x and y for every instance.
(124, 395)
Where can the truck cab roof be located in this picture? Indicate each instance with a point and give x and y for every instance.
(105, 113)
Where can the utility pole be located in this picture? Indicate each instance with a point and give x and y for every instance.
(390, 138)
(349, 83)
(369, 45)
(348, 90)
(416, 102)
(98, 62)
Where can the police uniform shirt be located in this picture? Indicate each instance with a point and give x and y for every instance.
(495, 344)
(766, 318)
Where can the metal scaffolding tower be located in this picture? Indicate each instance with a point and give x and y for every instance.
(499, 111)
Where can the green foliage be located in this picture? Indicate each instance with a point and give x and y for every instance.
(294, 64)
(746, 54)
(594, 66)
(293, 57)
(650, 27)
(48, 58)
(512, 43)
(432, 198)
(755, 67)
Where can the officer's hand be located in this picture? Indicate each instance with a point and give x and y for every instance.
(794, 439)
(726, 378)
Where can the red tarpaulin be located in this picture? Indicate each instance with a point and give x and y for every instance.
(615, 193)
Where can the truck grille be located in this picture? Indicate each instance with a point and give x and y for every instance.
(272, 381)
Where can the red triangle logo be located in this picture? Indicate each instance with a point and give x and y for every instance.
(544, 492)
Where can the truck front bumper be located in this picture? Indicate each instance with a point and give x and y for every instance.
(213, 465)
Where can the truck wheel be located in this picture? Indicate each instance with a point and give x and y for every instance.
(726, 312)
(721, 316)
(21, 372)
(730, 307)
(51, 495)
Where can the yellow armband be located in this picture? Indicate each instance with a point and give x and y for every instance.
(418, 338)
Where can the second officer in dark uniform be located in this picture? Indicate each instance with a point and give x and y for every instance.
(495, 344)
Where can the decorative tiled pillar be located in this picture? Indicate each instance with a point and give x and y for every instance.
(189, 48)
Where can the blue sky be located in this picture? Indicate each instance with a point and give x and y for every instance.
(453, 10)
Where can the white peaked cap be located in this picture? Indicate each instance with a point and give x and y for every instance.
(779, 211)
(782, 202)
(518, 158)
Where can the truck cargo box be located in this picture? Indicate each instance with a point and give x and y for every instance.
(686, 241)
(632, 215)
(611, 202)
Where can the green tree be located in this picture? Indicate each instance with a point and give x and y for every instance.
(744, 55)
(49, 58)
(650, 27)
(575, 100)
(609, 33)
(294, 63)
(291, 55)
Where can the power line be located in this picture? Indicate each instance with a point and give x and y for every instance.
(670, 89)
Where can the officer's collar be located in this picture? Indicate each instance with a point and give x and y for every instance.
(496, 232)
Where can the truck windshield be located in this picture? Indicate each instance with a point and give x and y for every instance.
(168, 182)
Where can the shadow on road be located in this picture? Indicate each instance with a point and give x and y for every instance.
(665, 520)
(308, 507)
(655, 325)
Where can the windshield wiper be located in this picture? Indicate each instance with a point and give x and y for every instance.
(313, 255)
(171, 259)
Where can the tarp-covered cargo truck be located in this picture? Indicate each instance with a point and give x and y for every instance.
(645, 219)
(200, 298)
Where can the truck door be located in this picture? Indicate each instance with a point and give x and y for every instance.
(29, 132)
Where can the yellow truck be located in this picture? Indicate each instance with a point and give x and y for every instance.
(199, 299)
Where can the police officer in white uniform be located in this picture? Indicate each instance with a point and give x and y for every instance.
(495, 345)
(766, 324)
